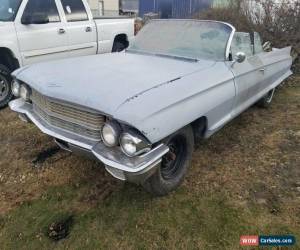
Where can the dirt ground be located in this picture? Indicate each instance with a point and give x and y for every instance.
(243, 180)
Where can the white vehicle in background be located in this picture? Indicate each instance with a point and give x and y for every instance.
(33, 31)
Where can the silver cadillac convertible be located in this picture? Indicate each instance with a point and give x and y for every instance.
(140, 111)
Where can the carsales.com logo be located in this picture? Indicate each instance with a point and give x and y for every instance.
(267, 240)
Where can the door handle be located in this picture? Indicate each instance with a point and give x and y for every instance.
(61, 31)
(262, 70)
(88, 29)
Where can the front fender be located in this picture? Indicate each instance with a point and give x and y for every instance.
(9, 41)
(162, 111)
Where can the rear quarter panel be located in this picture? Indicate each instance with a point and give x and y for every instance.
(163, 110)
(276, 63)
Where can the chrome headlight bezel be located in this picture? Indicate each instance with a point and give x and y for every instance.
(112, 129)
(138, 143)
(25, 92)
(15, 88)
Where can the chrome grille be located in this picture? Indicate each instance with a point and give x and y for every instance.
(68, 117)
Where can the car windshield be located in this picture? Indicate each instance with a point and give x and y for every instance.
(191, 39)
(9, 9)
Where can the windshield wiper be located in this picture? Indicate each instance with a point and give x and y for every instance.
(163, 55)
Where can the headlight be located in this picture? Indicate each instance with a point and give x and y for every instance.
(134, 144)
(16, 88)
(110, 133)
(25, 92)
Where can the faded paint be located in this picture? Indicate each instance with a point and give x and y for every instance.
(159, 95)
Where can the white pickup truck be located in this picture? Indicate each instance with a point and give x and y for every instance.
(33, 31)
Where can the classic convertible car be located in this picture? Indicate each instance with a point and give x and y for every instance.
(139, 111)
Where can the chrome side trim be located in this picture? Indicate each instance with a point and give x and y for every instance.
(228, 46)
(37, 53)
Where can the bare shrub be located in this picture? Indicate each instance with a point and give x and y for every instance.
(277, 22)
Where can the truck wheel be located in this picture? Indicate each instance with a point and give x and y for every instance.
(118, 46)
(5, 86)
(174, 164)
(266, 100)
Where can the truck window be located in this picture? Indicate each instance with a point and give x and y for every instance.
(74, 10)
(44, 7)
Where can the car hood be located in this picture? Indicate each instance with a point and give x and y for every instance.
(105, 82)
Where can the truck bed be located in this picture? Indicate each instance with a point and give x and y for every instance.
(109, 27)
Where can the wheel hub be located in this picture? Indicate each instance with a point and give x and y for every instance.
(170, 157)
(172, 160)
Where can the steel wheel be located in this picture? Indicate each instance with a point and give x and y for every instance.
(172, 161)
(4, 88)
(174, 165)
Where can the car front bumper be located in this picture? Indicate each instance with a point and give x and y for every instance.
(134, 169)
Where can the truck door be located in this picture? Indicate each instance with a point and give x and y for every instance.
(80, 28)
(41, 32)
(247, 75)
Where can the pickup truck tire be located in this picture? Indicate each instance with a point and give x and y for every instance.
(265, 102)
(174, 164)
(118, 46)
(5, 86)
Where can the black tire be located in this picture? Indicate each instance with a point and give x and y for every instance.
(266, 100)
(118, 46)
(5, 86)
(174, 165)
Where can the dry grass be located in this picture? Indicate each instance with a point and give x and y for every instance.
(243, 180)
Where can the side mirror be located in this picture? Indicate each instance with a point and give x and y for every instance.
(35, 19)
(267, 46)
(240, 57)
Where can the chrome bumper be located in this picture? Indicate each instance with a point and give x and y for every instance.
(135, 169)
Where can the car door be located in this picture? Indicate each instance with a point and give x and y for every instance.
(268, 60)
(43, 41)
(259, 52)
(80, 28)
(247, 75)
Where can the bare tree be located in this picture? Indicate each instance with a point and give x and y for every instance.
(276, 21)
